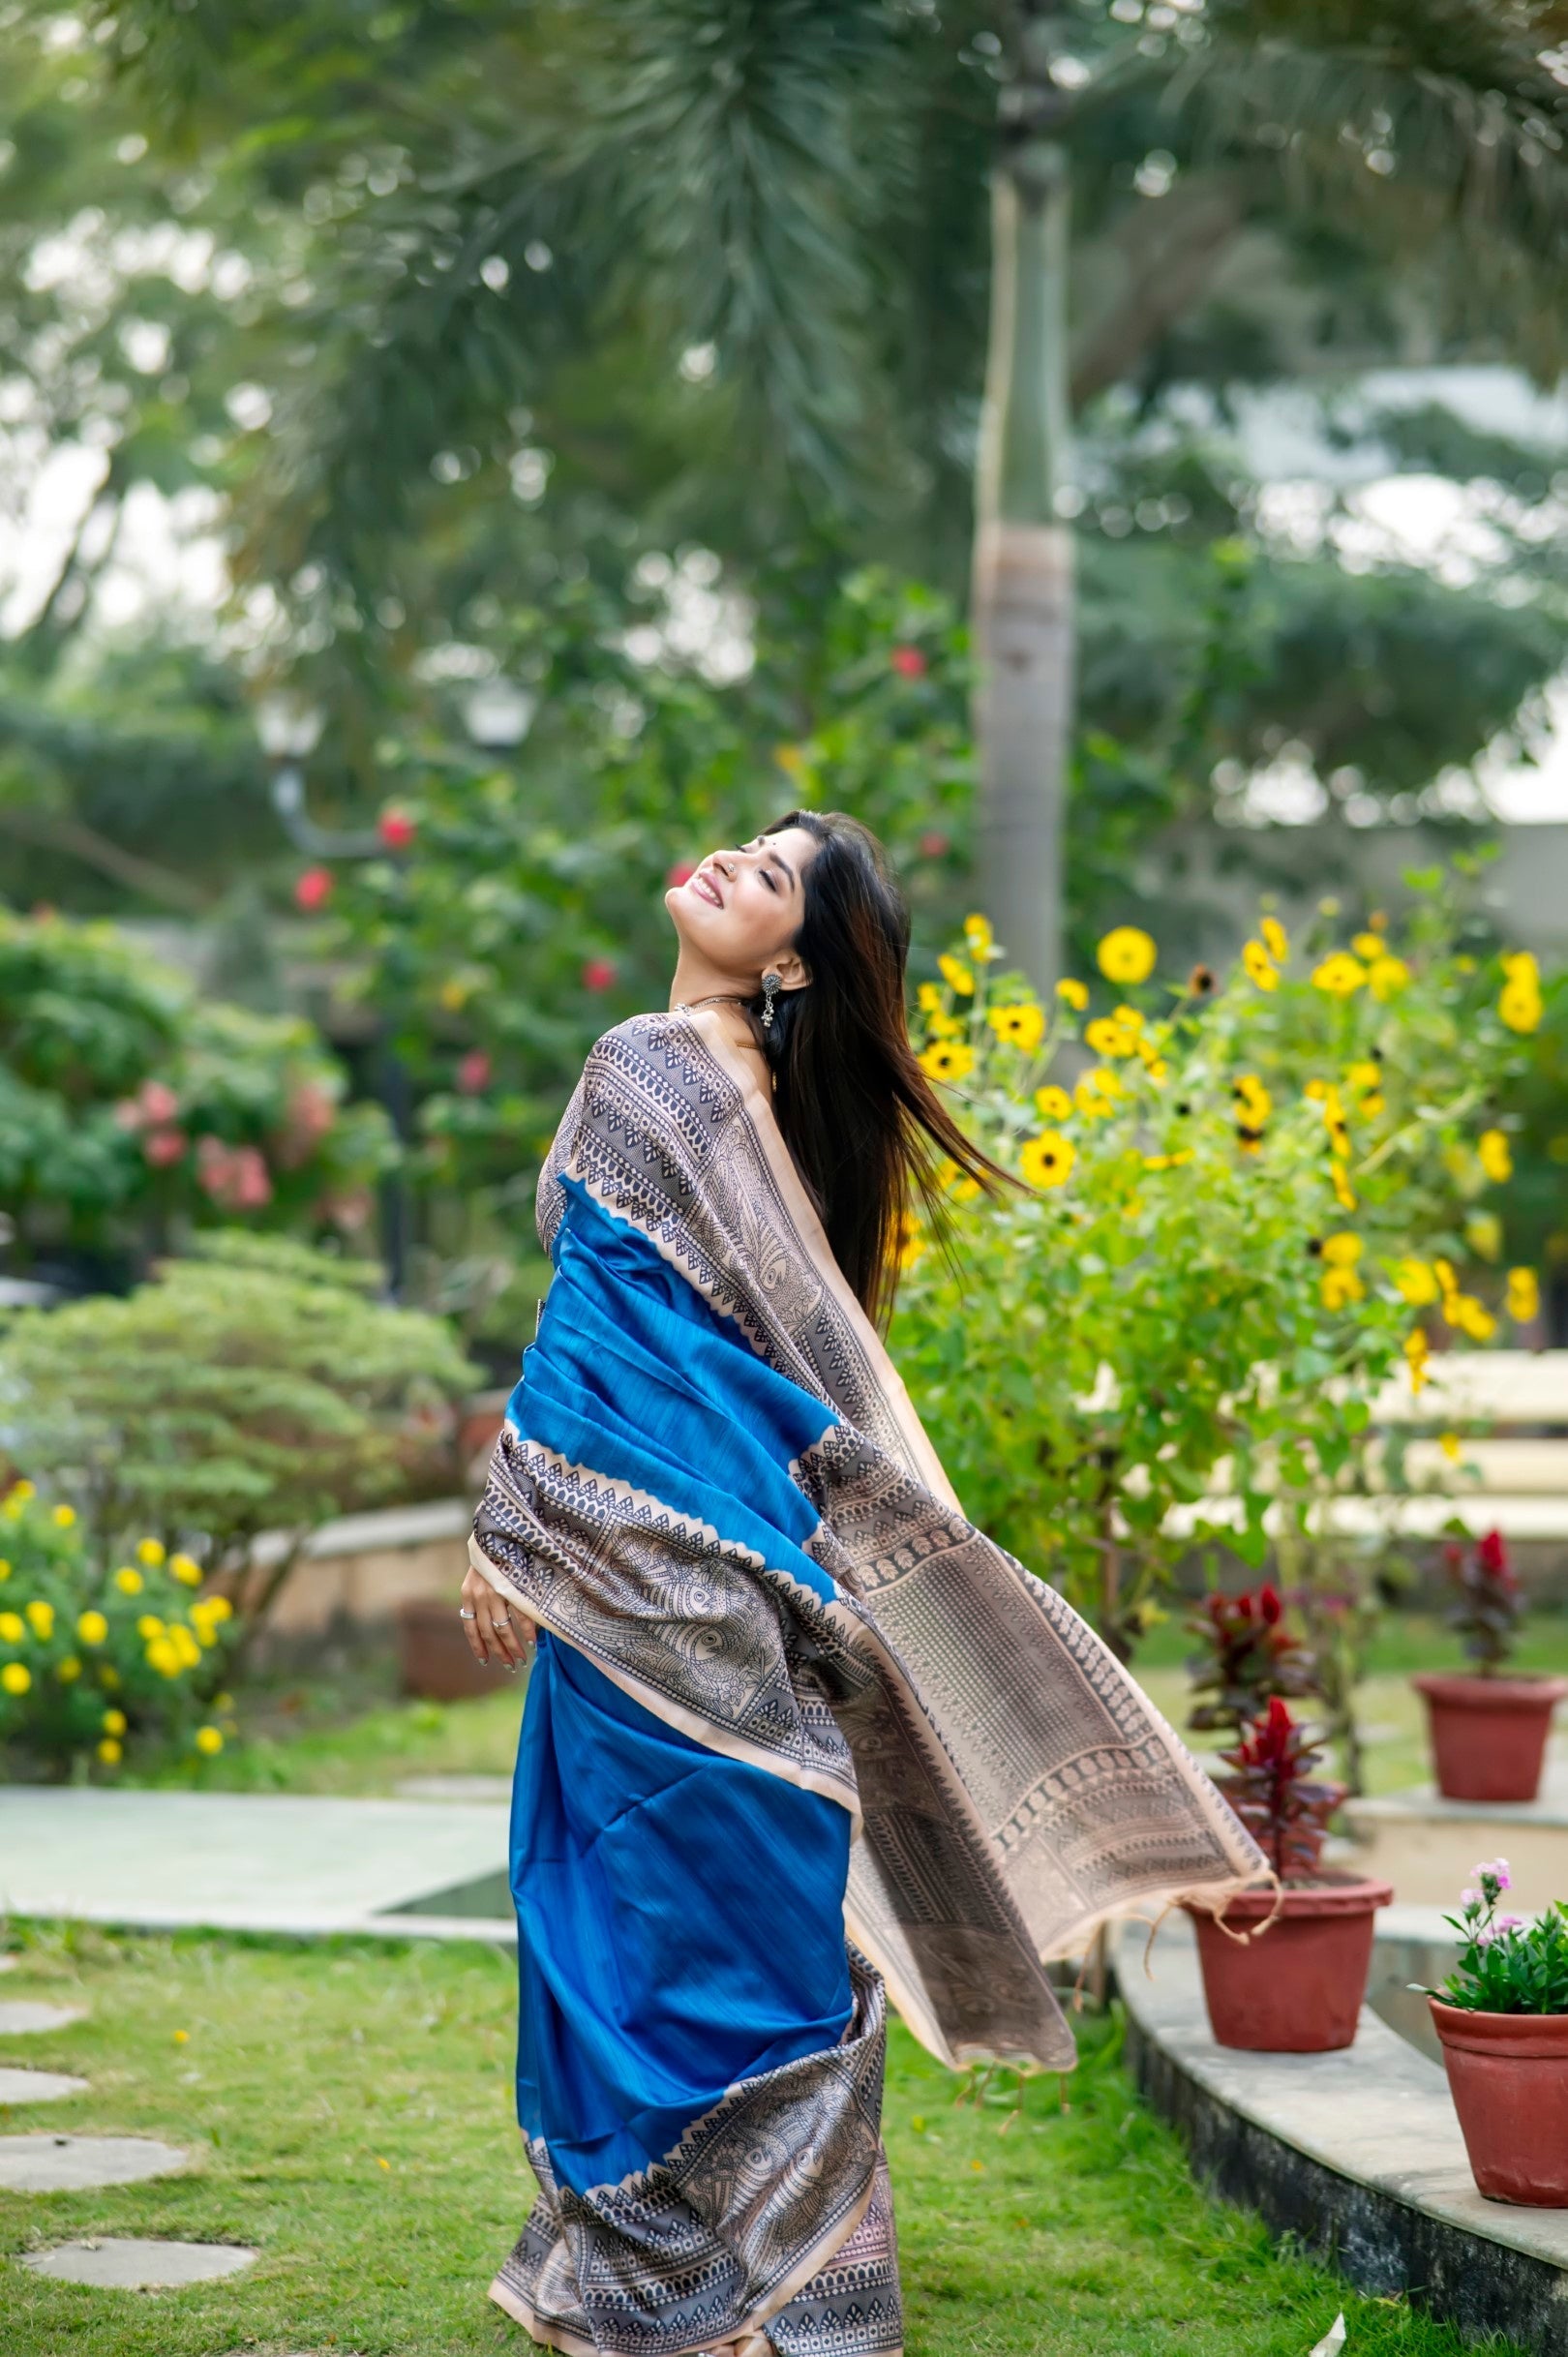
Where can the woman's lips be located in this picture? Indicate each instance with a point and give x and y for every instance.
(710, 891)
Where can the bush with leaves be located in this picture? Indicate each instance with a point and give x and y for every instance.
(1247, 1653)
(96, 1653)
(130, 1106)
(257, 1385)
(1229, 1231)
(1488, 1605)
(1276, 1789)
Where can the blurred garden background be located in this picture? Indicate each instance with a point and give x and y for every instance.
(459, 464)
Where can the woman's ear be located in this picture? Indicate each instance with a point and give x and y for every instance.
(794, 974)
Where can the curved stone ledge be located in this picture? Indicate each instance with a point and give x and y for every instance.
(1358, 2154)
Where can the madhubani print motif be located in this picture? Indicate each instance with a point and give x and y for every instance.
(851, 2307)
(1088, 1801)
(785, 2173)
(699, 1627)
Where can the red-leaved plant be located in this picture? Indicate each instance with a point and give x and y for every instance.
(1274, 1790)
(1487, 1609)
(1248, 1654)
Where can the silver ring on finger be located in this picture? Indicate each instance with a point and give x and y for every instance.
(464, 1613)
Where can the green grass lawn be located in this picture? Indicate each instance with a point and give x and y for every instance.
(348, 2112)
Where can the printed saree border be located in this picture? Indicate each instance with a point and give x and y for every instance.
(704, 1731)
(560, 2336)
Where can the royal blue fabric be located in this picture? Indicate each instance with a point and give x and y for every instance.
(680, 1913)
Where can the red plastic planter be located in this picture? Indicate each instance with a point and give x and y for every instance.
(1297, 1987)
(1508, 2073)
(1489, 1735)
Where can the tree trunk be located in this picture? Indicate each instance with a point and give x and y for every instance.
(1022, 594)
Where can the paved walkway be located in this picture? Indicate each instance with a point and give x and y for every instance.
(250, 1862)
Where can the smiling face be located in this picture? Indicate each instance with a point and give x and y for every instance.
(737, 915)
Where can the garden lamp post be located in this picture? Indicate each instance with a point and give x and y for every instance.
(289, 732)
(499, 714)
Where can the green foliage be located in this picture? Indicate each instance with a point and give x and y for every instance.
(254, 1385)
(526, 914)
(97, 1655)
(129, 1105)
(1174, 1329)
(1506, 1966)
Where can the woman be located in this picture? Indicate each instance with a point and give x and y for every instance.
(782, 1686)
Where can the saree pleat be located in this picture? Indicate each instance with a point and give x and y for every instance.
(782, 1686)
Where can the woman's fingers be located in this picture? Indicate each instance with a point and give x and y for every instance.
(496, 1631)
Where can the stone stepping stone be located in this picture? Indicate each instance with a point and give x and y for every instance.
(68, 2165)
(126, 2263)
(21, 2017)
(38, 2086)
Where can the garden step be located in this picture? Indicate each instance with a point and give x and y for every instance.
(1426, 1847)
(38, 2086)
(43, 2163)
(20, 2017)
(132, 2263)
(1358, 2154)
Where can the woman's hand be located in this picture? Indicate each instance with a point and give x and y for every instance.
(496, 1630)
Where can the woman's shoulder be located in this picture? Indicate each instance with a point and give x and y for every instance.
(719, 1027)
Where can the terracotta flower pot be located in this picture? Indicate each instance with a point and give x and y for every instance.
(1489, 1735)
(1508, 2073)
(434, 1656)
(1297, 1987)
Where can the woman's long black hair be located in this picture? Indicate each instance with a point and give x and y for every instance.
(864, 1124)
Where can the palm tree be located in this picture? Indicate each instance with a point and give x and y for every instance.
(802, 202)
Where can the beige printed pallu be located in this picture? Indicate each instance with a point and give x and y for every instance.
(798, 1738)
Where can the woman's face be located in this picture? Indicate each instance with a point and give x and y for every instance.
(740, 910)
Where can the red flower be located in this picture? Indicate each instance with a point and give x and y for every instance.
(1492, 1554)
(934, 846)
(682, 872)
(396, 830)
(474, 1073)
(598, 974)
(313, 889)
(163, 1147)
(908, 662)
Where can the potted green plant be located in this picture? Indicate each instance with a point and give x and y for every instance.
(1502, 2017)
(1488, 1731)
(1285, 1964)
(1248, 1654)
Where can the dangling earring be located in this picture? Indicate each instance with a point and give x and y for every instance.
(772, 985)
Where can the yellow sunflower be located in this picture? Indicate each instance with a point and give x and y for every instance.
(1523, 1296)
(1496, 1161)
(1276, 940)
(948, 1060)
(957, 977)
(1047, 1160)
(1053, 1104)
(1341, 975)
(1073, 994)
(1261, 966)
(1386, 975)
(1109, 1038)
(1021, 1026)
(1127, 954)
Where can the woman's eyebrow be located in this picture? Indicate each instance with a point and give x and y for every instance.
(779, 860)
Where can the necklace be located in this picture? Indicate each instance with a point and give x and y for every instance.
(715, 998)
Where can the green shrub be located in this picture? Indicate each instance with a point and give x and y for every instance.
(130, 1106)
(257, 1385)
(1233, 1228)
(97, 1653)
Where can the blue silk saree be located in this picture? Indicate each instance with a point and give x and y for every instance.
(798, 1739)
